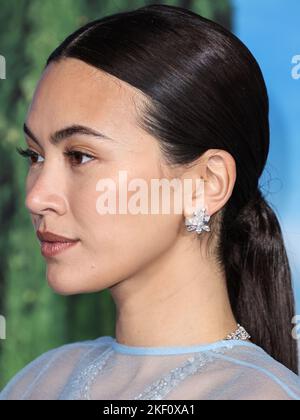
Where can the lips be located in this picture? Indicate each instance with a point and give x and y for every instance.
(53, 244)
(53, 237)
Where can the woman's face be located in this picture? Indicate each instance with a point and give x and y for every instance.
(61, 189)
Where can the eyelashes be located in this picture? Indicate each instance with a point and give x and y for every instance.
(28, 153)
(75, 156)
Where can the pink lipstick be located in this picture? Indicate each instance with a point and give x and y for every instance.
(53, 244)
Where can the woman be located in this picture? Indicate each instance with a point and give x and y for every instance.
(204, 296)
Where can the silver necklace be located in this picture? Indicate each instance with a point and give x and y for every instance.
(239, 334)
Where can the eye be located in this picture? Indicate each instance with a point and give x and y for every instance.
(33, 156)
(78, 158)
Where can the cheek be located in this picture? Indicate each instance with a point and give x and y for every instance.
(142, 240)
(119, 243)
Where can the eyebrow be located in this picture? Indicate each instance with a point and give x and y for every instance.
(67, 132)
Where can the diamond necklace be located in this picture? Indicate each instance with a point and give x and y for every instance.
(239, 334)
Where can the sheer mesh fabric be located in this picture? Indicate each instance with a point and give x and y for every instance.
(105, 369)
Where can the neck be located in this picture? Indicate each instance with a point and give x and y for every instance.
(174, 304)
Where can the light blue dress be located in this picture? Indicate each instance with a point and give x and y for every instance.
(104, 369)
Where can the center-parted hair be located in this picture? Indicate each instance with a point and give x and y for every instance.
(205, 90)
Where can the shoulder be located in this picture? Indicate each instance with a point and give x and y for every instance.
(44, 369)
(254, 375)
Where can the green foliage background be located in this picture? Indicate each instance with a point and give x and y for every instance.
(37, 318)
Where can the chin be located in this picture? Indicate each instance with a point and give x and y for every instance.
(66, 282)
(66, 286)
(62, 288)
(62, 284)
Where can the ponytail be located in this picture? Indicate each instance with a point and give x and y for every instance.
(259, 278)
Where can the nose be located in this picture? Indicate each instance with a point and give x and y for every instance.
(45, 193)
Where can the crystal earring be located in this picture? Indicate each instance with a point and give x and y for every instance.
(198, 222)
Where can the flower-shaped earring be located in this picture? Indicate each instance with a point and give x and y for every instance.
(198, 222)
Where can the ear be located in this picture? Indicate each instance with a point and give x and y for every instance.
(214, 174)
